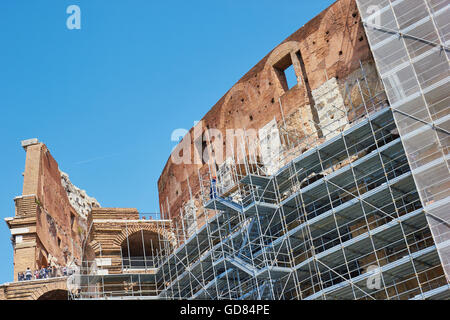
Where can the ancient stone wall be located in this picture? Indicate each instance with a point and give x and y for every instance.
(47, 229)
(78, 198)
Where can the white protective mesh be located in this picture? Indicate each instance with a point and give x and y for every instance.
(409, 41)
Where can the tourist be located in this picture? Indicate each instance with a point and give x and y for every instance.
(64, 271)
(212, 189)
(28, 274)
(49, 272)
(42, 274)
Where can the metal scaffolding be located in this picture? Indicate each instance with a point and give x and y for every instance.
(358, 207)
(342, 220)
(128, 272)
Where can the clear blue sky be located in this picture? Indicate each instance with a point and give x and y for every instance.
(106, 98)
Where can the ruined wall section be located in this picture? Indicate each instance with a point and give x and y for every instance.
(78, 198)
(59, 227)
(48, 226)
(331, 46)
(340, 103)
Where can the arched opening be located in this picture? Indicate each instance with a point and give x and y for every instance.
(140, 250)
(42, 261)
(57, 294)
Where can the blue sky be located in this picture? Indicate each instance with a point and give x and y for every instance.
(106, 98)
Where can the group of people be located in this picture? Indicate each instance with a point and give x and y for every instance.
(44, 273)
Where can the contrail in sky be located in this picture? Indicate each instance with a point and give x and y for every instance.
(96, 158)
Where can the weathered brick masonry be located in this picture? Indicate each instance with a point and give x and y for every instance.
(46, 229)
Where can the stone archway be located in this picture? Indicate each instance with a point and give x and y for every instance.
(45, 289)
(57, 294)
(281, 51)
(51, 290)
(138, 227)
